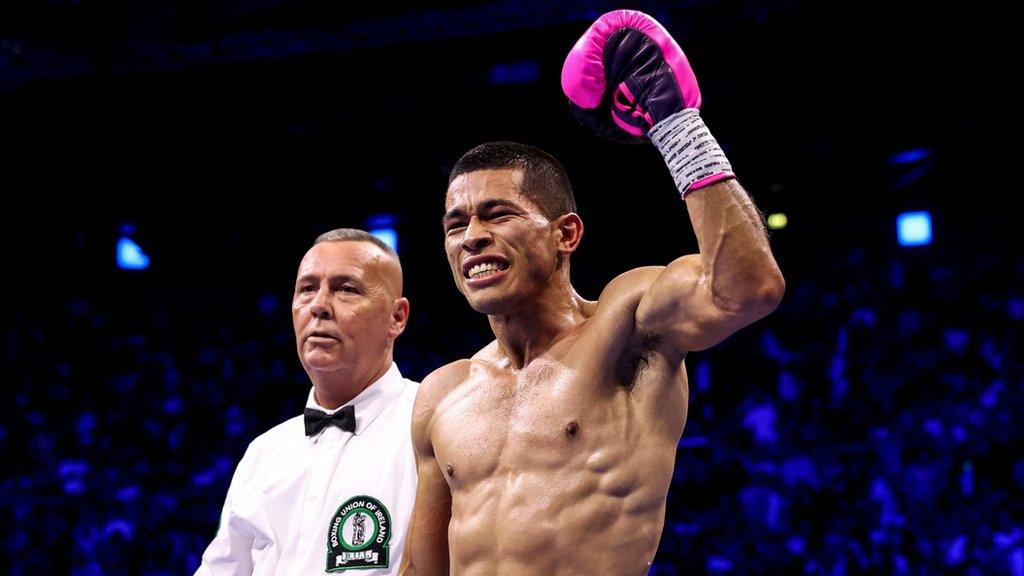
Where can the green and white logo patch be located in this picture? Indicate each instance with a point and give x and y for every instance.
(358, 535)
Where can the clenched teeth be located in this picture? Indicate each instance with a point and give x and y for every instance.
(485, 269)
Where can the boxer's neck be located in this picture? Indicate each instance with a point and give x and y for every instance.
(534, 327)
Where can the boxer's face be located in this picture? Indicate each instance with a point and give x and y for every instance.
(344, 306)
(500, 247)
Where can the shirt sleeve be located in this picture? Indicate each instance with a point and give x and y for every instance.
(230, 552)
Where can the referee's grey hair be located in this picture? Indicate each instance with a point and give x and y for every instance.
(355, 235)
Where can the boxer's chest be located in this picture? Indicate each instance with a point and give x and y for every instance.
(539, 418)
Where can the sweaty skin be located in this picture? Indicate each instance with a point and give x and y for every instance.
(551, 451)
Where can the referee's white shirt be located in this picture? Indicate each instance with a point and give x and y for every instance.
(301, 505)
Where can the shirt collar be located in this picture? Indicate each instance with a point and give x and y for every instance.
(370, 402)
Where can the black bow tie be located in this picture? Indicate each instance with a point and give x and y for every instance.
(317, 420)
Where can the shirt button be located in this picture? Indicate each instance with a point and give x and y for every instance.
(312, 496)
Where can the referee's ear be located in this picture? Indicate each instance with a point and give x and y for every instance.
(399, 317)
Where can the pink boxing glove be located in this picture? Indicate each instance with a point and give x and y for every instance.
(626, 74)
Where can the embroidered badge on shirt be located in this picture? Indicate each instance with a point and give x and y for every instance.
(358, 535)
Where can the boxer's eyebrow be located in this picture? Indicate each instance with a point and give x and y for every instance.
(452, 214)
(482, 208)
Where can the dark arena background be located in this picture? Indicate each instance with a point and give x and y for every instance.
(872, 424)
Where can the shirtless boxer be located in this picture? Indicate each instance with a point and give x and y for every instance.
(551, 450)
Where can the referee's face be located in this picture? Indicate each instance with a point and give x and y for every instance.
(347, 310)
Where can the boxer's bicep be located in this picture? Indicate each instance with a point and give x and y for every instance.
(680, 307)
(426, 546)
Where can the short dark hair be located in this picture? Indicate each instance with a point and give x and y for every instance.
(355, 235)
(545, 181)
